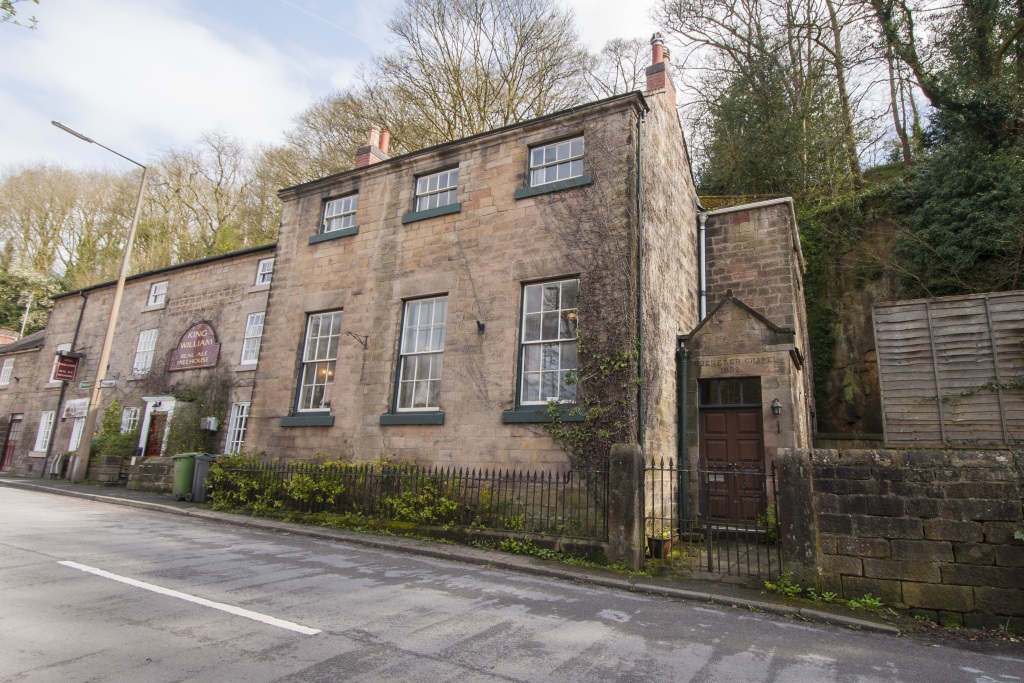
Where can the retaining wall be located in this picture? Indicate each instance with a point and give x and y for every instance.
(931, 531)
(152, 474)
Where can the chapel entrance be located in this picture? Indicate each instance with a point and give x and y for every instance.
(732, 449)
(11, 443)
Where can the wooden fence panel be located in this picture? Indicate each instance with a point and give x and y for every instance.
(952, 370)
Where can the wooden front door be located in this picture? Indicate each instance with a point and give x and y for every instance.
(155, 439)
(11, 443)
(732, 446)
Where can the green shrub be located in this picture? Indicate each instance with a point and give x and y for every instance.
(426, 506)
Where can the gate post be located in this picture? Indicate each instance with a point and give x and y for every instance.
(798, 532)
(626, 506)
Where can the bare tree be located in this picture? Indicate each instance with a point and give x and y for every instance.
(208, 196)
(619, 67)
(467, 66)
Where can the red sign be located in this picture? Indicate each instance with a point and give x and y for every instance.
(198, 348)
(67, 368)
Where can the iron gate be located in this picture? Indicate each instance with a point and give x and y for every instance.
(716, 519)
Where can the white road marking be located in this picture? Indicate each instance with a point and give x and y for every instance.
(230, 609)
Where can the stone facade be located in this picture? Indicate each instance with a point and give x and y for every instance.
(220, 291)
(756, 325)
(624, 225)
(931, 531)
(22, 402)
(478, 256)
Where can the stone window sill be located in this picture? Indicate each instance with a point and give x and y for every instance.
(155, 307)
(334, 234)
(431, 213)
(431, 418)
(247, 367)
(308, 420)
(558, 186)
(257, 288)
(538, 414)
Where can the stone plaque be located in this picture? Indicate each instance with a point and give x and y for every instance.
(197, 348)
(742, 365)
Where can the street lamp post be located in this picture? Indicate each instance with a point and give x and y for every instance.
(81, 461)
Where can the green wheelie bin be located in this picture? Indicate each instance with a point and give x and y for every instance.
(184, 471)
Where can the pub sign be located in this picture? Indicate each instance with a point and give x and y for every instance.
(67, 367)
(197, 348)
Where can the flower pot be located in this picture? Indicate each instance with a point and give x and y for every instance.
(659, 547)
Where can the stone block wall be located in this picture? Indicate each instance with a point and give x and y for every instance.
(931, 531)
(152, 474)
(106, 469)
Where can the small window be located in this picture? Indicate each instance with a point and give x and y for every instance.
(436, 189)
(557, 161)
(130, 419)
(253, 334)
(6, 371)
(738, 391)
(422, 353)
(45, 426)
(340, 213)
(61, 348)
(264, 271)
(549, 351)
(144, 352)
(319, 353)
(158, 294)
(236, 428)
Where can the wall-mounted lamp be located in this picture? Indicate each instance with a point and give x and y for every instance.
(776, 407)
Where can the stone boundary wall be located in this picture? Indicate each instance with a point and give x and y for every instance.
(152, 474)
(106, 469)
(929, 531)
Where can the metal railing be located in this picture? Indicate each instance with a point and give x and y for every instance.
(572, 503)
(719, 519)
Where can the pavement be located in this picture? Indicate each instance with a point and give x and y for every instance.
(691, 589)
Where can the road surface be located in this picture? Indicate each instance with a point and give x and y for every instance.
(97, 592)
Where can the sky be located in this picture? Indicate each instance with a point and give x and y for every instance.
(144, 77)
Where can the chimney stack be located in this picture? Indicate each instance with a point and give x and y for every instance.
(658, 76)
(371, 152)
(385, 140)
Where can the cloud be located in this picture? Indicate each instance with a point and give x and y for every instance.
(602, 20)
(139, 77)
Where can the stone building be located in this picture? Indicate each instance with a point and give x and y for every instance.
(519, 298)
(220, 300)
